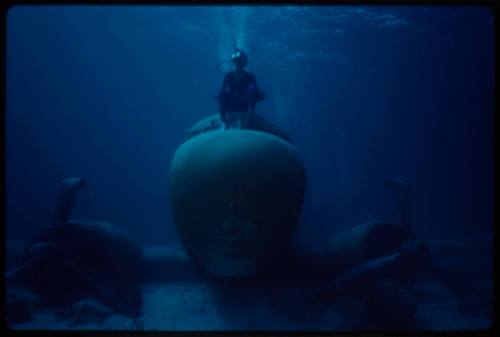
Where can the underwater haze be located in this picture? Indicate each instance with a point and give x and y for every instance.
(107, 93)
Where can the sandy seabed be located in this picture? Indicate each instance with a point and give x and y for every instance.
(193, 306)
(197, 304)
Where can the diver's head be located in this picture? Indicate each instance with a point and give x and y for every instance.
(239, 59)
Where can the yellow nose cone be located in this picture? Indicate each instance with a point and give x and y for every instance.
(236, 197)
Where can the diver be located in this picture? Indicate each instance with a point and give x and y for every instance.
(239, 92)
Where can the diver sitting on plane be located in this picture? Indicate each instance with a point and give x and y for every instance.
(239, 92)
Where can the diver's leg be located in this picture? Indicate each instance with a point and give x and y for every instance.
(223, 113)
(251, 99)
(223, 107)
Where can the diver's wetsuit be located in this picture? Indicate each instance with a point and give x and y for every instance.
(239, 95)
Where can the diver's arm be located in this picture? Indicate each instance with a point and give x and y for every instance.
(259, 95)
(223, 89)
(222, 98)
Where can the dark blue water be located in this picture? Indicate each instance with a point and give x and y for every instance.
(367, 93)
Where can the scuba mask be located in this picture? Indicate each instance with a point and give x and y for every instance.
(239, 58)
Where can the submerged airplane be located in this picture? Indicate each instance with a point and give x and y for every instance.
(236, 196)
